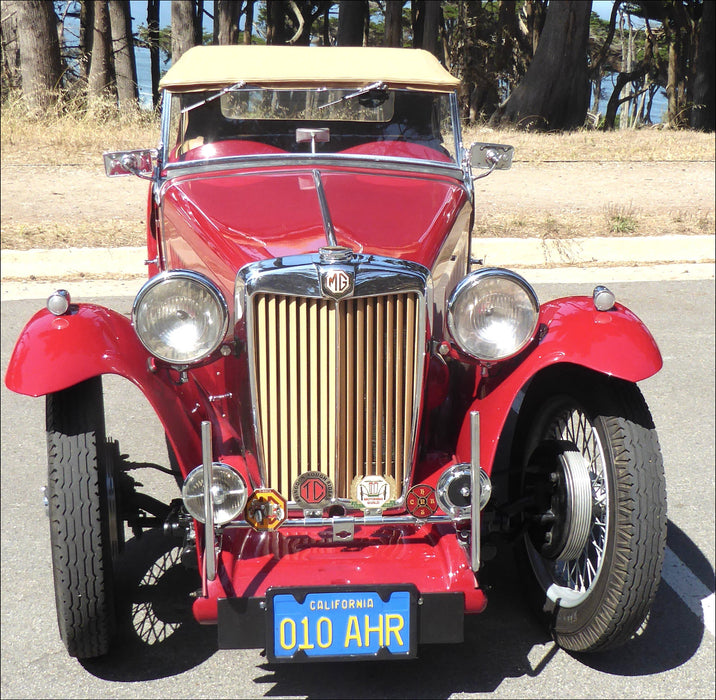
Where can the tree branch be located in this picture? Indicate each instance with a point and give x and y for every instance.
(596, 65)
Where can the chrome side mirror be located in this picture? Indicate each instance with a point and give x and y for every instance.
(139, 163)
(491, 156)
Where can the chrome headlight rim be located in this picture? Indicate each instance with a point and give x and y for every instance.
(193, 493)
(472, 280)
(169, 276)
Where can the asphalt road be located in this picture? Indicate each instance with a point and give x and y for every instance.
(162, 653)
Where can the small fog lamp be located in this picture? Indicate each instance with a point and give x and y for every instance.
(228, 493)
(454, 490)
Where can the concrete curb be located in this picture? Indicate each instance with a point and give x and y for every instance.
(92, 272)
(93, 263)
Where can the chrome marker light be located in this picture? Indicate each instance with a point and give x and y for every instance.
(58, 302)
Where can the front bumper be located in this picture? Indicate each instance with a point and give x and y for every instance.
(429, 557)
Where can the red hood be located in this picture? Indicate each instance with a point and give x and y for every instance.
(222, 221)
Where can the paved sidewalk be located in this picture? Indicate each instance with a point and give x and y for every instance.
(607, 259)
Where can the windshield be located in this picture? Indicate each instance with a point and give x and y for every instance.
(373, 121)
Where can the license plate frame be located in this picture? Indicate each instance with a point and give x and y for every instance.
(386, 612)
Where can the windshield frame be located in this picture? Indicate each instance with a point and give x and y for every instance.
(454, 167)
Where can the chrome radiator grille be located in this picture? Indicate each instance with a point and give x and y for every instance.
(336, 386)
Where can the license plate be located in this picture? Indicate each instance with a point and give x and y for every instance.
(310, 624)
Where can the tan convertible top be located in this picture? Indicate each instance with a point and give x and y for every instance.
(210, 67)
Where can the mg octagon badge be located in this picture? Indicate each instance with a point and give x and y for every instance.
(336, 282)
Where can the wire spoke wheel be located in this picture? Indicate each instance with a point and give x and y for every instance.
(571, 554)
(596, 526)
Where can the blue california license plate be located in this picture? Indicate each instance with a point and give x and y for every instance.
(322, 624)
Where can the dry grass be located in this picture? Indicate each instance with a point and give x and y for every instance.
(615, 221)
(628, 145)
(78, 234)
(78, 134)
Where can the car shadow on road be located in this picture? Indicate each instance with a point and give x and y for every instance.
(158, 636)
(673, 633)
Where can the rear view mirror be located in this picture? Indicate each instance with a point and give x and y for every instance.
(139, 163)
(491, 156)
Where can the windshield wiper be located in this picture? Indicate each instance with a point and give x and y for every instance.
(235, 86)
(374, 86)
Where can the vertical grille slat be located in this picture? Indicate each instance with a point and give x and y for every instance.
(335, 386)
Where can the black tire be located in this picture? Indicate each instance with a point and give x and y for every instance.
(594, 582)
(86, 532)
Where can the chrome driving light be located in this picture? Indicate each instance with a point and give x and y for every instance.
(492, 314)
(228, 493)
(180, 317)
(454, 490)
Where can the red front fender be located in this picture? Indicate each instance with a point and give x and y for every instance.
(615, 343)
(56, 352)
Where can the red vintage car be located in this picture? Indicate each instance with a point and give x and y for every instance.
(353, 406)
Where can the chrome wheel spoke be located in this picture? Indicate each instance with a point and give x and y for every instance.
(580, 574)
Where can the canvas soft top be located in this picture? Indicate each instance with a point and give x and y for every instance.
(211, 67)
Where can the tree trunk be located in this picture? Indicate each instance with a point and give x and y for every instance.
(153, 32)
(393, 23)
(123, 53)
(672, 80)
(534, 11)
(100, 71)
(703, 113)
(86, 35)
(183, 27)
(351, 20)
(198, 21)
(554, 94)
(431, 25)
(226, 21)
(11, 78)
(276, 31)
(39, 48)
(249, 22)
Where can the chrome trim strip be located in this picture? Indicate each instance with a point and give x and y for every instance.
(349, 160)
(164, 138)
(360, 520)
(475, 489)
(208, 464)
(325, 213)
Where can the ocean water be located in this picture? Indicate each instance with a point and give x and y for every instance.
(144, 76)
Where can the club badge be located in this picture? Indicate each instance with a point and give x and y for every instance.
(421, 501)
(312, 490)
(373, 492)
(265, 510)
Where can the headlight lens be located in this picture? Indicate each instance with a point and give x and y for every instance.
(180, 317)
(228, 493)
(492, 314)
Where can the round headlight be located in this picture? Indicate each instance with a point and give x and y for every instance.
(180, 317)
(228, 493)
(492, 314)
